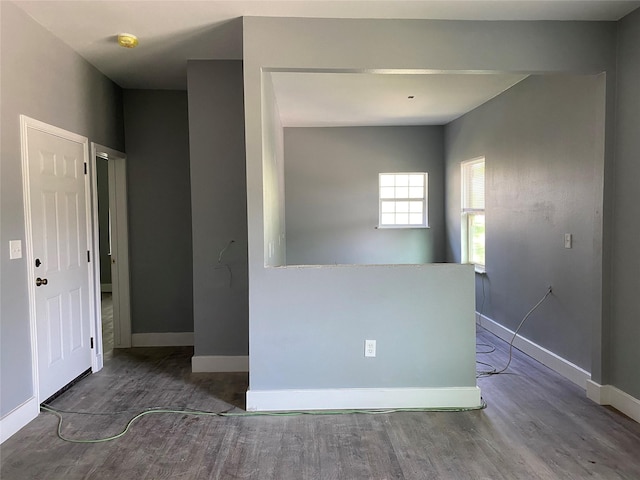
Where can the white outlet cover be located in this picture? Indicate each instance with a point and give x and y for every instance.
(369, 348)
(15, 249)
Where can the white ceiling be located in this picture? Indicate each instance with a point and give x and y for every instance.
(173, 31)
(349, 99)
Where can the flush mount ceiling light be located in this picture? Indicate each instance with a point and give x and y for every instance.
(127, 40)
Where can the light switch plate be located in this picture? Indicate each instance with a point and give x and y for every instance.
(568, 240)
(15, 249)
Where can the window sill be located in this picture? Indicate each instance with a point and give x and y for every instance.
(399, 227)
(479, 269)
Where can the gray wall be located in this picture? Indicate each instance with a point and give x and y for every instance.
(580, 47)
(102, 177)
(331, 194)
(543, 143)
(44, 79)
(310, 325)
(218, 203)
(625, 321)
(157, 146)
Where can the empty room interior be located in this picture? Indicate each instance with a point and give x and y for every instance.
(323, 239)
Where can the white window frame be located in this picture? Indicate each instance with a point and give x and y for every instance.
(468, 214)
(382, 199)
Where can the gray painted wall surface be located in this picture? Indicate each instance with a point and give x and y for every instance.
(331, 194)
(625, 324)
(44, 79)
(157, 146)
(311, 323)
(543, 146)
(585, 47)
(218, 204)
(102, 174)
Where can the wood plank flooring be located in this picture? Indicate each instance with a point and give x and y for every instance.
(537, 426)
(106, 306)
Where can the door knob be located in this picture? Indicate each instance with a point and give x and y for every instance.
(41, 281)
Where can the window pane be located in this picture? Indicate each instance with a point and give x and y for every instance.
(415, 207)
(402, 218)
(387, 192)
(416, 192)
(388, 207)
(387, 180)
(388, 219)
(416, 180)
(473, 185)
(415, 219)
(402, 207)
(476, 239)
(402, 180)
(402, 192)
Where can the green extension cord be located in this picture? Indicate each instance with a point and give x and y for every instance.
(49, 409)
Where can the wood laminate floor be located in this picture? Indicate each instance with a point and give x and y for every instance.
(106, 305)
(537, 426)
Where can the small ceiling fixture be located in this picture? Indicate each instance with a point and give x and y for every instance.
(127, 40)
(411, 96)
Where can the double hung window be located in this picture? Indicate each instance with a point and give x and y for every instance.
(403, 200)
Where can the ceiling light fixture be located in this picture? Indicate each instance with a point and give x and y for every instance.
(411, 96)
(127, 40)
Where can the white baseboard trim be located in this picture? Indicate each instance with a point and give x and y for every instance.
(359, 398)
(618, 399)
(219, 363)
(106, 287)
(572, 372)
(168, 339)
(18, 418)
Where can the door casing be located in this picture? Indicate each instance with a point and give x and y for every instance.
(119, 248)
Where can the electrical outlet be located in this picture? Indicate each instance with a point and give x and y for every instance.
(369, 348)
(15, 249)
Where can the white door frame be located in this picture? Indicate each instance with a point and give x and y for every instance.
(119, 248)
(25, 124)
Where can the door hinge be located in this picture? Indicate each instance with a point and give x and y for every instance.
(85, 168)
(88, 256)
(91, 342)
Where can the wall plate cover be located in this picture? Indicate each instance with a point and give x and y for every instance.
(369, 348)
(568, 240)
(15, 249)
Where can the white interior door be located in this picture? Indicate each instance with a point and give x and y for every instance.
(57, 196)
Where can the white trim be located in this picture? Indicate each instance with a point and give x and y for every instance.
(363, 398)
(572, 372)
(18, 418)
(98, 361)
(219, 363)
(30, 123)
(618, 399)
(168, 339)
(105, 287)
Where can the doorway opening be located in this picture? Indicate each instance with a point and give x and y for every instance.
(111, 244)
